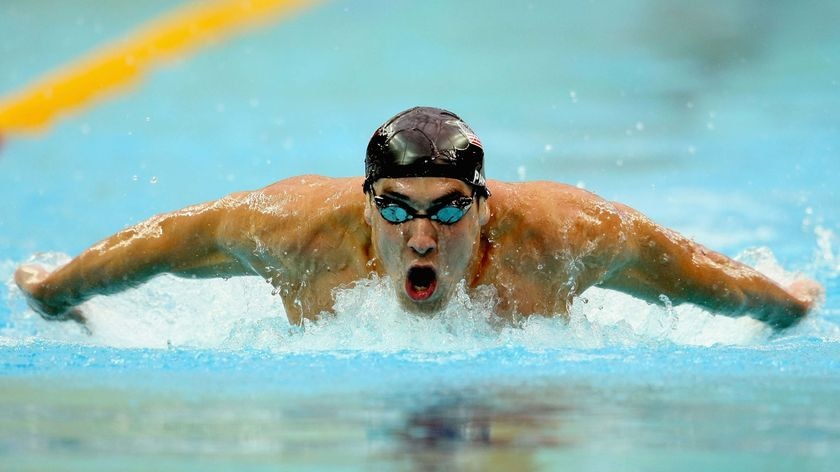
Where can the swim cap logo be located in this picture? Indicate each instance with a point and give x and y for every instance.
(471, 137)
(478, 179)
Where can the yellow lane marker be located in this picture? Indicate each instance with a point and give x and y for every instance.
(116, 66)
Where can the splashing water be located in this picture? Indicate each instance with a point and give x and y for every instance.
(241, 313)
(827, 257)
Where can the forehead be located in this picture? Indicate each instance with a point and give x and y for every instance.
(422, 188)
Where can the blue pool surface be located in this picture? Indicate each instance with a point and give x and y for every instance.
(720, 120)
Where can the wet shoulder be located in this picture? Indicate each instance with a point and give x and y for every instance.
(533, 201)
(555, 213)
(299, 212)
(316, 190)
(303, 197)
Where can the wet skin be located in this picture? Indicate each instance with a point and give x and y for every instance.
(447, 252)
(539, 244)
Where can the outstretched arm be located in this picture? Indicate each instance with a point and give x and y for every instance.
(183, 243)
(662, 262)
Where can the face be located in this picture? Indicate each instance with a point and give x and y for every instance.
(425, 258)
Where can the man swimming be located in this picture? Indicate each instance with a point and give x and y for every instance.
(426, 220)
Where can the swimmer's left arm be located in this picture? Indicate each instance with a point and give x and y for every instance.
(662, 262)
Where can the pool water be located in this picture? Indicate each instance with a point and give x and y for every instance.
(720, 120)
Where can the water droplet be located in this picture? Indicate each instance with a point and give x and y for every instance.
(135, 177)
(153, 180)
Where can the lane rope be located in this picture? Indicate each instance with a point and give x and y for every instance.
(116, 66)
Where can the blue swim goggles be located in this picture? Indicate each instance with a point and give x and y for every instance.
(396, 212)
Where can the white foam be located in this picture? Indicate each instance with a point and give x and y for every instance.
(241, 313)
(827, 257)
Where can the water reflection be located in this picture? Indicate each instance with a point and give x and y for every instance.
(236, 422)
(498, 432)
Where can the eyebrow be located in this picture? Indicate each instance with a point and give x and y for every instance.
(453, 195)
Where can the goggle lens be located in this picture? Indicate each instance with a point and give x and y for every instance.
(395, 212)
(449, 214)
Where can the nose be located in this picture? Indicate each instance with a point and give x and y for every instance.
(423, 237)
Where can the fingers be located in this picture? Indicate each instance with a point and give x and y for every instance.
(29, 276)
(808, 291)
(76, 315)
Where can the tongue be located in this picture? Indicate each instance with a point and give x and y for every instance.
(420, 284)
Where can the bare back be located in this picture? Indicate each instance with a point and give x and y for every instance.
(543, 244)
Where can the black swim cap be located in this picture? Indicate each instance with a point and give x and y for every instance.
(426, 142)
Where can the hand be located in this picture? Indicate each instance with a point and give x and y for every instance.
(808, 292)
(31, 279)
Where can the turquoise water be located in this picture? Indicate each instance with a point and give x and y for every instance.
(719, 120)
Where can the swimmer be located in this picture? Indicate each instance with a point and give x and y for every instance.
(424, 217)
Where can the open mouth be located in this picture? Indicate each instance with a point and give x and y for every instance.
(420, 283)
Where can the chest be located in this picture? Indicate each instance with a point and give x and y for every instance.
(307, 296)
(531, 277)
(535, 291)
(306, 277)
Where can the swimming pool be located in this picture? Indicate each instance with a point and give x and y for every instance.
(719, 120)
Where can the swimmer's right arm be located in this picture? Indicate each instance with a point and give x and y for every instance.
(184, 243)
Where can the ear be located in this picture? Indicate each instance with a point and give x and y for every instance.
(368, 210)
(483, 211)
